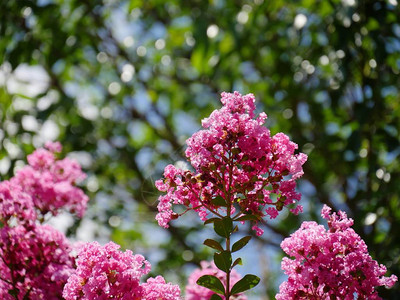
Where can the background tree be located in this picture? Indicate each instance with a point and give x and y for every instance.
(124, 83)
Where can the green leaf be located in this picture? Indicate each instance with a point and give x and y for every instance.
(238, 261)
(211, 220)
(248, 218)
(223, 227)
(236, 151)
(213, 244)
(14, 292)
(223, 261)
(246, 283)
(241, 243)
(227, 43)
(215, 297)
(199, 59)
(211, 282)
(235, 229)
(279, 205)
(218, 201)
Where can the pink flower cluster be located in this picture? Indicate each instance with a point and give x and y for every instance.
(235, 158)
(35, 262)
(51, 182)
(104, 272)
(35, 259)
(197, 292)
(333, 264)
(15, 204)
(158, 289)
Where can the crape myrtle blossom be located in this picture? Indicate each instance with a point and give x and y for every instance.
(104, 272)
(35, 262)
(197, 292)
(51, 182)
(234, 158)
(330, 264)
(158, 289)
(15, 205)
(35, 259)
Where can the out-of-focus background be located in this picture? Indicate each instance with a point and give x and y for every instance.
(123, 84)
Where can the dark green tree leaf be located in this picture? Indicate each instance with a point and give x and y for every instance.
(246, 283)
(241, 243)
(211, 220)
(218, 201)
(213, 244)
(223, 260)
(215, 297)
(223, 227)
(211, 282)
(248, 218)
(14, 292)
(238, 261)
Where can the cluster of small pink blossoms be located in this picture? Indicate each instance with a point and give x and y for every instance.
(333, 264)
(15, 204)
(51, 182)
(35, 259)
(104, 272)
(197, 292)
(235, 158)
(35, 262)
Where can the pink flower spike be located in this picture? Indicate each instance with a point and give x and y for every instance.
(234, 158)
(52, 183)
(14, 203)
(37, 258)
(105, 272)
(330, 264)
(158, 289)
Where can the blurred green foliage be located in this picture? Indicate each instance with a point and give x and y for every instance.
(122, 84)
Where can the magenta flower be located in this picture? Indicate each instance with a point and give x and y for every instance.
(333, 264)
(51, 182)
(158, 289)
(104, 272)
(237, 164)
(15, 204)
(197, 292)
(35, 262)
(35, 259)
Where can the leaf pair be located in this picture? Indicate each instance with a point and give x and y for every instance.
(223, 258)
(213, 283)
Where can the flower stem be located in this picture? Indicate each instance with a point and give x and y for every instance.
(228, 274)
